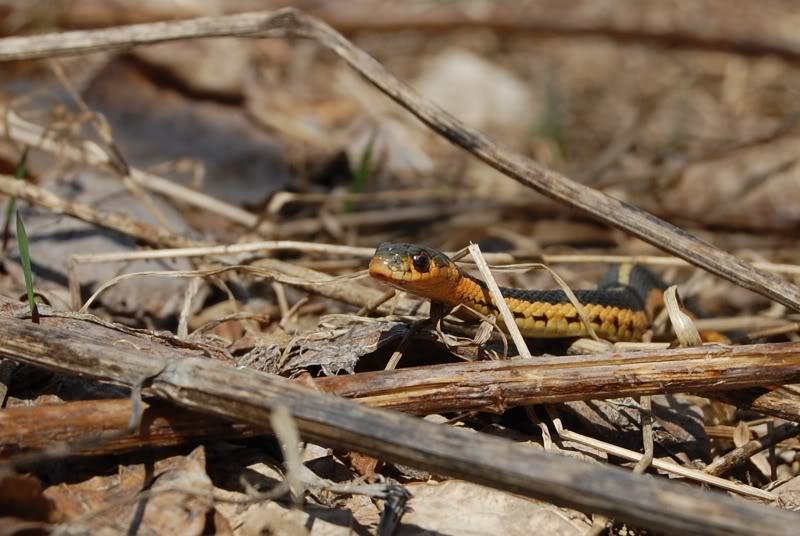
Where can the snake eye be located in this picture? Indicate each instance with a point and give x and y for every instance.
(422, 262)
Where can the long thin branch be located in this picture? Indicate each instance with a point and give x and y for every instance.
(249, 397)
(492, 387)
(499, 385)
(292, 23)
(31, 430)
(40, 427)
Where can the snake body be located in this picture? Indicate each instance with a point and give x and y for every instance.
(619, 309)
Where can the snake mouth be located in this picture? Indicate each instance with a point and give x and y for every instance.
(380, 269)
(386, 266)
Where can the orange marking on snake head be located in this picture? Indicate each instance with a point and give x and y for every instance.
(418, 270)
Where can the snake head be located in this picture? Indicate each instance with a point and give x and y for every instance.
(418, 270)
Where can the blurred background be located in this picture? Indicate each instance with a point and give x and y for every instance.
(688, 110)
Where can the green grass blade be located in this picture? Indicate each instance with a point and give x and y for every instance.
(24, 254)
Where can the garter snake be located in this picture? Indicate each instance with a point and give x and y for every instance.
(619, 309)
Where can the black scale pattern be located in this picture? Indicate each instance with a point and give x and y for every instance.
(609, 292)
(622, 297)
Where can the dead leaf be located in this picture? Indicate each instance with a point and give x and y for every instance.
(109, 505)
(177, 512)
(75, 500)
(21, 499)
(263, 358)
(364, 465)
(342, 351)
(456, 507)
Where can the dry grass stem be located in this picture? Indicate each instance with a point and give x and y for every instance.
(246, 247)
(785, 329)
(663, 465)
(255, 270)
(280, 199)
(670, 467)
(647, 436)
(499, 302)
(285, 430)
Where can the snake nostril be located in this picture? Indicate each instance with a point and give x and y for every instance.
(396, 263)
